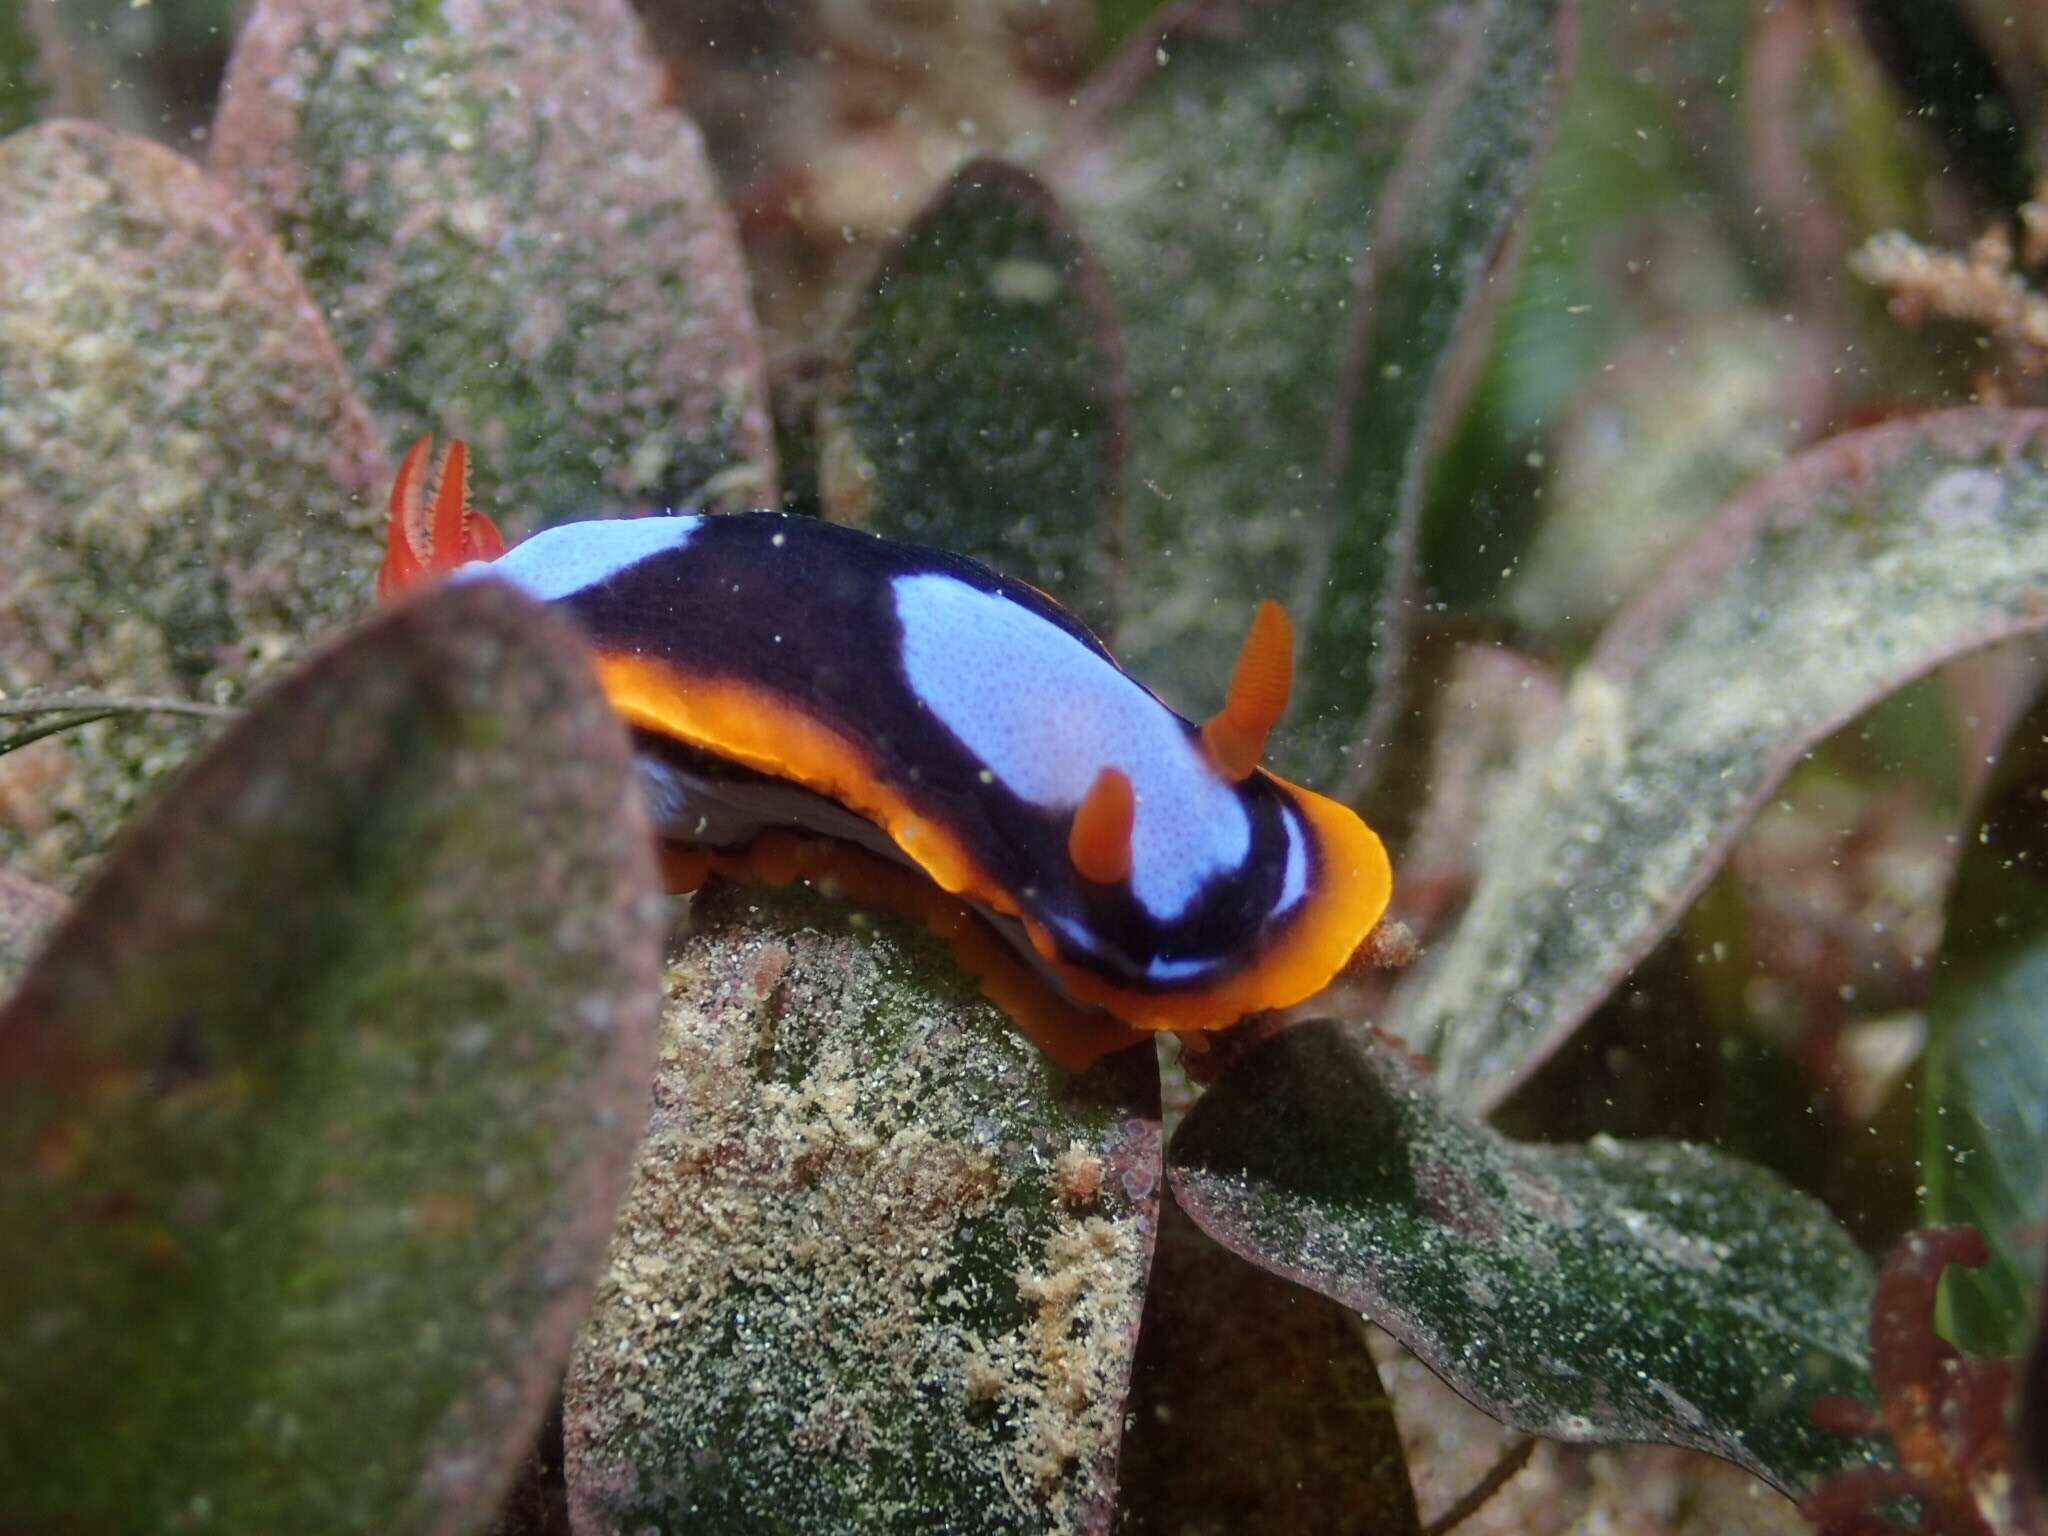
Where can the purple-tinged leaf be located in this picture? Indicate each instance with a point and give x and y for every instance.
(186, 475)
(1610, 1292)
(1847, 572)
(516, 240)
(315, 1110)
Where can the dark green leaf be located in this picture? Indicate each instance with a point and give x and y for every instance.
(1298, 206)
(1611, 1292)
(1840, 576)
(1957, 90)
(21, 85)
(185, 472)
(882, 1266)
(314, 1113)
(2030, 1430)
(977, 398)
(150, 69)
(515, 240)
(1256, 1406)
(1985, 1154)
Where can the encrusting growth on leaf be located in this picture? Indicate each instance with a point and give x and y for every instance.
(1077, 1176)
(1980, 285)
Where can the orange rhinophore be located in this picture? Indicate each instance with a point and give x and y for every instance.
(430, 534)
(1100, 843)
(1236, 734)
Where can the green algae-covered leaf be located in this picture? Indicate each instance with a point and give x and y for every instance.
(1829, 583)
(1985, 1146)
(1297, 205)
(976, 401)
(516, 241)
(1617, 1291)
(1255, 1406)
(27, 912)
(882, 1265)
(314, 1113)
(186, 476)
(1688, 414)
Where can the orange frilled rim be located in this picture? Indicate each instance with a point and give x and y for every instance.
(751, 727)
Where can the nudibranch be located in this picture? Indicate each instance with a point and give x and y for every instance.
(810, 701)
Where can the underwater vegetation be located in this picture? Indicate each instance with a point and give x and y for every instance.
(1641, 409)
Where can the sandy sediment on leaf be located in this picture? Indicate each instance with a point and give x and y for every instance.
(856, 1285)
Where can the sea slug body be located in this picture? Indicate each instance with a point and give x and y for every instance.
(789, 680)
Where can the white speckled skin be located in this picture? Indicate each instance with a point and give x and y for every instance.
(1046, 716)
(557, 562)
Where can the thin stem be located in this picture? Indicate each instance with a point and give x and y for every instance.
(22, 738)
(102, 705)
(1512, 1461)
(72, 710)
